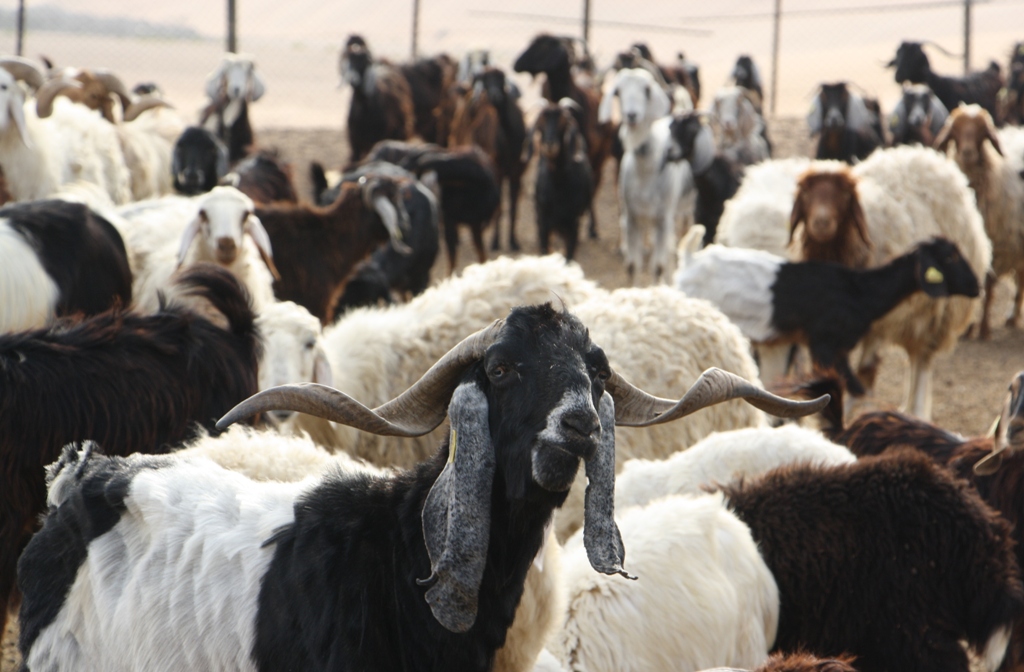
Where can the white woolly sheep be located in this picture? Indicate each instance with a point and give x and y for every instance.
(999, 191)
(650, 189)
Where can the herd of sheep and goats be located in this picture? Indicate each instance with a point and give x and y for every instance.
(240, 430)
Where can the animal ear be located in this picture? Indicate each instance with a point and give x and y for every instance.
(814, 116)
(939, 114)
(941, 142)
(930, 278)
(604, 110)
(703, 149)
(858, 117)
(190, 233)
(254, 227)
(992, 135)
(601, 536)
(256, 86)
(457, 513)
(857, 218)
(797, 215)
(659, 104)
(322, 372)
(394, 217)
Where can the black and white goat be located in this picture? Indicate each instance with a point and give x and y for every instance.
(714, 176)
(198, 161)
(137, 383)
(982, 87)
(848, 129)
(565, 185)
(58, 258)
(827, 306)
(413, 570)
(918, 117)
(231, 88)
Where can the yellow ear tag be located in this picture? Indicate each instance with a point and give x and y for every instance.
(453, 446)
(994, 427)
(933, 276)
(894, 120)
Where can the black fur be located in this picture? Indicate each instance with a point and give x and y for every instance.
(914, 121)
(237, 137)
(831, 307)
(890, 559)
(200, 159)
(838, 140)
(982, 87)
(80, 250)
(264, 178)
(743, 73)
(429, 79)
(135, 383)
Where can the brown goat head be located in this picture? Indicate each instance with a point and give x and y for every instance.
(827, 205)
(968, 126)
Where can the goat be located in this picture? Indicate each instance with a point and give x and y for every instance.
(848, 129)
(470, 193)
(650, 189)
(999, 192)
(524, 396)
(565, 185)
(264, 178)
(714, 176)
(317, 247)
(1011, 97)
(826, 306)
(555, 56)
(918, 117)
(231, 88)
(149, 382)
(747, 75)
(740, 131)
(981, 88)
(199, 160)
(57, 259)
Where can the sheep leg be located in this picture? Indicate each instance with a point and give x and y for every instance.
(514, 184)
(451, 241)
(919, 393)
(984, 331)
(478, 242)
(572, 234)
(593, 221)
(1018, 298)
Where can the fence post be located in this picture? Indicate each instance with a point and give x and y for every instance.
(415, 27)
(18, 47)
(586, 23)
(967, 36)
(232, 35)
(775, 56)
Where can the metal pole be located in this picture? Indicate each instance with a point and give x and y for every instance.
(232, 35)
(415, 27)
(967, 36)
(775, 56)
(586, 23)
(21, 28)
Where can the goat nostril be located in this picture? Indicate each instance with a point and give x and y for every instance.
(585, 424)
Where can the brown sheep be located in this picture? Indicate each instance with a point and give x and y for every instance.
(834, 228)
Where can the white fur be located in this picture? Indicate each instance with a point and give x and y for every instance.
(723, 458)
(147, 152)
(757, 216)
(28, 295)
(738, 126)
(237, 80)
(157, 571)
(704, 596)
(650, 189)
(995, 649)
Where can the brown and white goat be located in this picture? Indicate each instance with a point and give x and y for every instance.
(1000, 195)
(316, 248)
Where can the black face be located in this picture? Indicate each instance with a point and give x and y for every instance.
(943, 271)
(546, 53)
(684, 130)
(911, 63)
(644, 51)
(493, 81)
(544, 380)
(743, 71)
(834, 101)
(199, 160)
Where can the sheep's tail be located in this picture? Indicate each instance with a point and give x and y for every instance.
(690, 244)
(224, 292)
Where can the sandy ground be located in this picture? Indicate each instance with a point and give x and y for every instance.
(969, 384)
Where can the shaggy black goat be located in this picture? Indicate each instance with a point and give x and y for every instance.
(918, 117)
(199, 160)
(849, 129)
(137, 383)
(565, 184)
(470, 193)
(415, 570)
(912, 66)
(264, 178)
(58, 258)
(555, 56)
(715, 178)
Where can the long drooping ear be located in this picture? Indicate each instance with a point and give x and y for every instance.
(254, 227)
(799, 212)
(814, 116)
(457, 513)
(942, 140)
(636, 408)
(604, 110)
(703, 152)
(991, 135)
(858, 117)
(190, 233)
(601, 535)
(394, 217)
(16, 108)
(857, 219)
(222, 158)
(939, 114)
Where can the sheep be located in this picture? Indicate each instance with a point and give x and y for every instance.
(918, 117)
(565, 185)
(381, 107)
(824, 305)
(231, 88)
(849, 130)
(714, 176)
(757, 216)
(555, 57)
(472, 584)
(836, 539)
(264, 178)
(1000, 195)
(58, 258)
(912, 66)
(650, 190)
(895, 199)
(199, 160)
(740, 131)
(319, 246)
(219, 227)
(469, 190)
(747, 75)
(149, 381)
(38, 156)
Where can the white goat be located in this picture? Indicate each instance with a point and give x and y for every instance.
(650, 189)
(739, 129)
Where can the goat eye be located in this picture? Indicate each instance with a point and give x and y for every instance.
(310, 345)
(499, 372)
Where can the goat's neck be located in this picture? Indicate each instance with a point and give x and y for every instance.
(879, 290)
(560, 84)
(638, 142)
